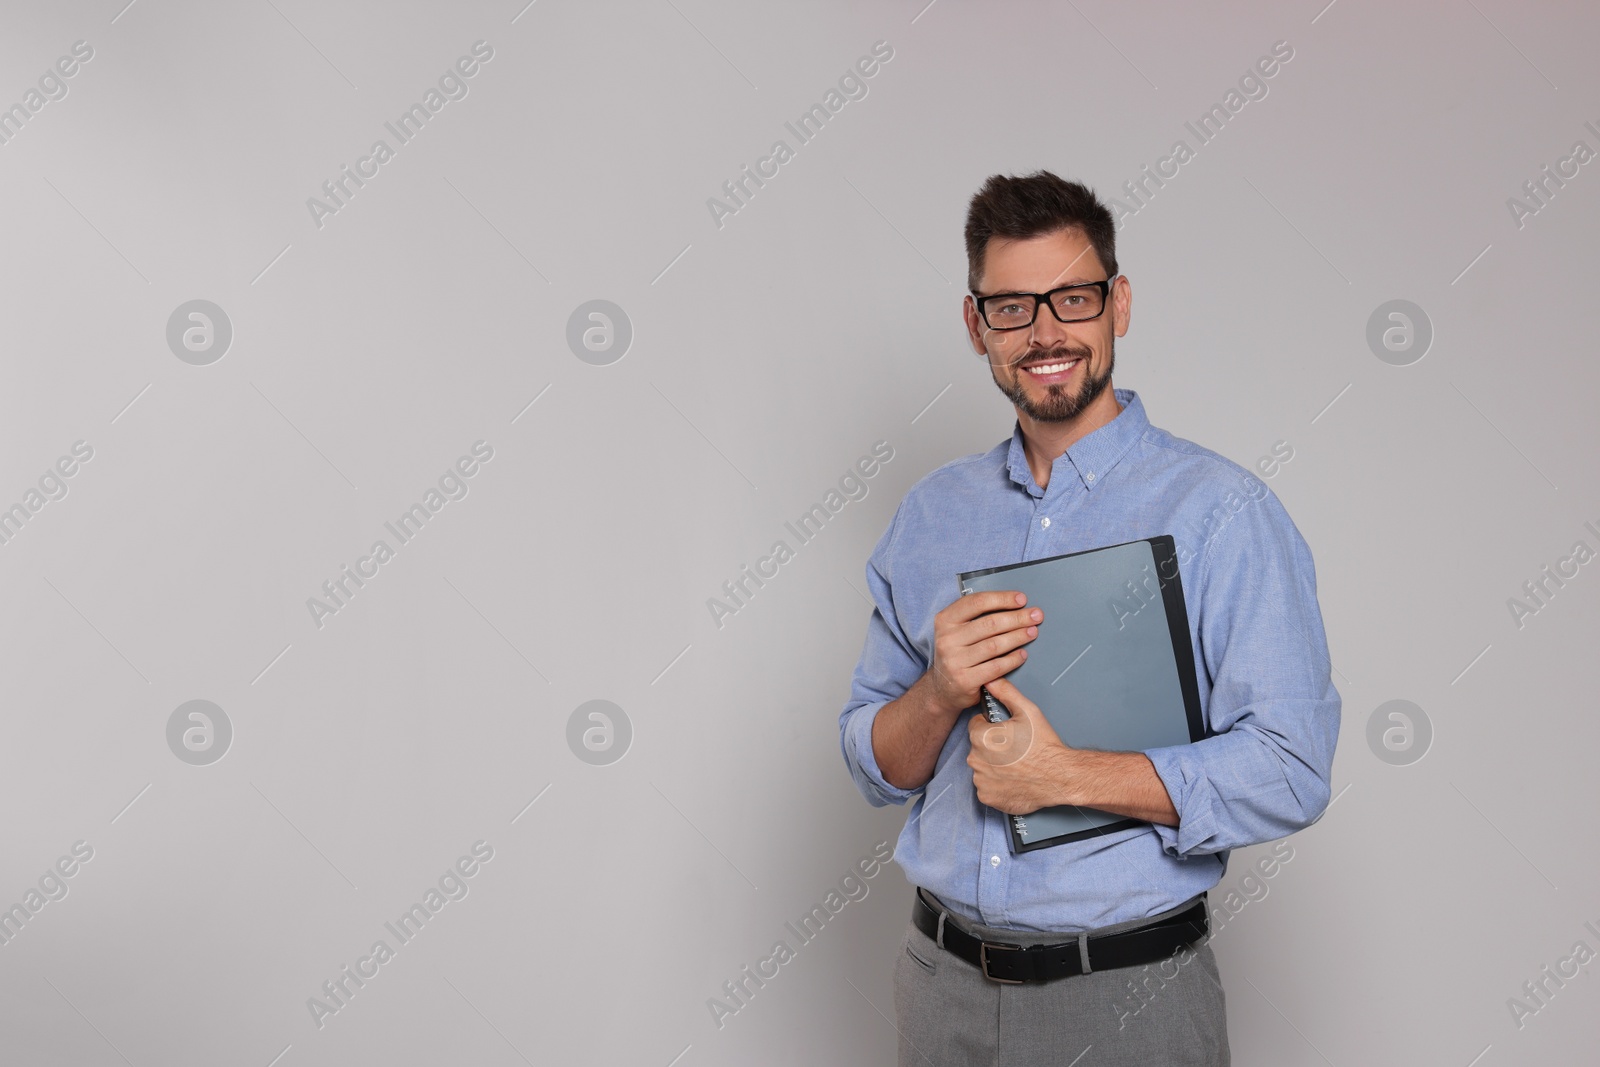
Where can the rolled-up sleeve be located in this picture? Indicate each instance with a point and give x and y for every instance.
(888, 666)
(1273, 707)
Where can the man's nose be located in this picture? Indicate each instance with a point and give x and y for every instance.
(1048, 331)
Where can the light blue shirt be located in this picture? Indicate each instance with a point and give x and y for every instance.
(1259, 647)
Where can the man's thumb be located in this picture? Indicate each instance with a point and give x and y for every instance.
(1009, 695)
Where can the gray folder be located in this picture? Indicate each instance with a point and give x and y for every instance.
(1112, 667)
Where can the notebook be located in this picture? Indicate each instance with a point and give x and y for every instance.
(1112, 667)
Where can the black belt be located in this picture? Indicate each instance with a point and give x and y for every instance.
(1012, 964)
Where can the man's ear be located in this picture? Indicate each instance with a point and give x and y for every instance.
(1121, 305)
(974, 324)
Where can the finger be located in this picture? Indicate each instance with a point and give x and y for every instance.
(985, 736)
(1009, 695)
(975, 663)
(1004, 743)
(986, 671)
(990, 648)
(1031, 723)
(999, 622)
(975, 728)
(999, 741)
(1002, 689)
(965, 608)
(962, 645)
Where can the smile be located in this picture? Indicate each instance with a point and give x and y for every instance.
(1049, 372)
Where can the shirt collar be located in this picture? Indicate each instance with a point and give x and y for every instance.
(1092, 455)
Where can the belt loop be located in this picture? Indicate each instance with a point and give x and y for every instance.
(940, 937)
(1083, 952)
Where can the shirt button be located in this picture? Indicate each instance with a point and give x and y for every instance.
(1045, 522)
(994, 861)
(1089, 477)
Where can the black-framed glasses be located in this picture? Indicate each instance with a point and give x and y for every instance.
(1070, 303)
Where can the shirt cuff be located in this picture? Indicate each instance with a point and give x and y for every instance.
(1189, 790)
(864, 764)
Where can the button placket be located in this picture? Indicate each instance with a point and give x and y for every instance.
(991, 875)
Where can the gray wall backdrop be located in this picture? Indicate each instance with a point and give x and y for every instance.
(234, 455)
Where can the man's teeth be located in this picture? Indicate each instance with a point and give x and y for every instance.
(1050, 368)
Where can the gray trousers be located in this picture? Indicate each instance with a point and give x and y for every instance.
(1168, 1012)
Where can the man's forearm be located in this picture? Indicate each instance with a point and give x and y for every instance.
(908, 734)
(1123, 783)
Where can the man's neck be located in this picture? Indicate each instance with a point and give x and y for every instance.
(1042, 442)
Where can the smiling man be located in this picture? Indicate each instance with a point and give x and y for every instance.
(1095, 946)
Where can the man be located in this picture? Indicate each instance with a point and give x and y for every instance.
(1083, 468)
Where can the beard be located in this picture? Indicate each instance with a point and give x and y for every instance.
(1058, 405)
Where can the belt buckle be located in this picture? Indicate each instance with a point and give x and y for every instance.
(983, 961)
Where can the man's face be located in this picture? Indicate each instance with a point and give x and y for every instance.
(1053, 370)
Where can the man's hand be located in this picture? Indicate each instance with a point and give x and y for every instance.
(1020, 765)
(977, 639)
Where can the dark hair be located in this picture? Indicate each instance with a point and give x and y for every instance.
(1032, 206)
